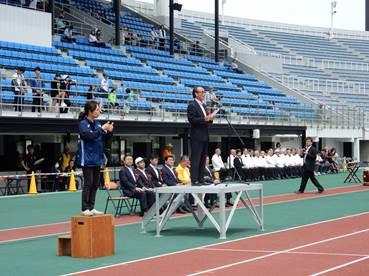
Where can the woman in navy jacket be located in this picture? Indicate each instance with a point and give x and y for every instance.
(91, 153)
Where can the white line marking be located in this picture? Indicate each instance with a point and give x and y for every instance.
(340, 266)
(290, 252)
(220, 243)
(279, 252)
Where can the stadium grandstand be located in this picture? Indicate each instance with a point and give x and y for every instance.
(272, 86)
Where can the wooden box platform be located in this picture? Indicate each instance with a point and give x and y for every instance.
(92, 236)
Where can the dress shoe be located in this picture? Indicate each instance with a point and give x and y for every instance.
(228, 204)
(181, 211)
(298, 192)
(320, 191)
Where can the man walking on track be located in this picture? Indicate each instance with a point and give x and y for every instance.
(308, 167)
(199, 120)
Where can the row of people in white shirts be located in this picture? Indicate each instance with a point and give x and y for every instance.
(254, 159)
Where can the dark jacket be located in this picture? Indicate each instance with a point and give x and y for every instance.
(142, 180)
(127, 183)
(309, 162)
(199, 128)
(157, 182)
(237, 163)
(168, 177)
(90, 144)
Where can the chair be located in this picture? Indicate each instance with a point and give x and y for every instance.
(352, 167)
(123, 201)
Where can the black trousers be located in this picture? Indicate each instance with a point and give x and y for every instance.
(199, 151)
(146, 198)
(306, 174)
(91, 177)
(36, 102)
(18, 101)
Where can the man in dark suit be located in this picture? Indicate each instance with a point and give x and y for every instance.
(308, 167)
(238, 165)
(199, 120)
(129, 184)
(144, 181)
(153, 172)
(169, 175)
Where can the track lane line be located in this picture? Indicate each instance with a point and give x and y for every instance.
(280, 252)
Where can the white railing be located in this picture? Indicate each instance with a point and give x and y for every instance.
(320, 85)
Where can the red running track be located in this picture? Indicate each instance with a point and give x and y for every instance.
(21, 233)
(335, 247)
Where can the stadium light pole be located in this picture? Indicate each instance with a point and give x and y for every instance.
(216, 31)
(333, 12)
(117, 5)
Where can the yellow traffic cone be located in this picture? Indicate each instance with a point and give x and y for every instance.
(32, 185)
(72, 183)
(106, 177)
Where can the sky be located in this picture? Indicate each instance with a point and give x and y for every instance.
(350, 13)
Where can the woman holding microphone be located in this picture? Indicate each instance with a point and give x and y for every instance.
(91, 153)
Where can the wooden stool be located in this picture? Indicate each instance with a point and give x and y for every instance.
(64, 245)
(92, 236)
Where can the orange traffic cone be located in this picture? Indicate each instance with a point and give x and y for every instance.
(32, 185)
(72, 183)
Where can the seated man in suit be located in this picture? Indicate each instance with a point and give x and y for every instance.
(129, 184)
(168, 170)
(153, 173)
(144, 181)
(170, 178)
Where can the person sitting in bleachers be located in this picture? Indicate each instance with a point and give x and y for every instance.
(144, 181)
(19, 85)
(91, 92)
(169, 173)
(68, 34)
(129, 184)
(112, 97)
(154, 37)
(127, 36)
(60, 24)
(37, 86)
(64, 93)
(153, 173)
(104, 86)
(162, 38)
(95, 40)
(55, 91)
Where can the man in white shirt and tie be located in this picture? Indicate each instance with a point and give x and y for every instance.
(218, 165)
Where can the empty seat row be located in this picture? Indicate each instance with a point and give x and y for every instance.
(155, 87)
(192, 82)
(28, 48)
(85, 48)
(138, 77)
(92, 56)
(193, 76)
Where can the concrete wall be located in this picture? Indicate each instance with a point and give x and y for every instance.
(25, 26)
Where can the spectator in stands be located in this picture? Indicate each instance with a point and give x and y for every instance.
(33, 4)
(153, 172)
(90, 92)
(154, 37)
(144, 181)
(104, 86)
(235, 68)
(220, 172)
(196, 49)
(127, 36)
(94, 40)
(55, 91)
(68, 34)
(112, 97)
(60, 24)
(168, 171)
(64, 93)
(19, 85)
(129, 184)
(212, 101)
(95, 14)
(183, 171)
(37, 86)
(162, 38)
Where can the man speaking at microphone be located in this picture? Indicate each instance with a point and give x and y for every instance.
(199, 119)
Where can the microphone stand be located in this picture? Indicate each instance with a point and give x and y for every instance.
(242, 143)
